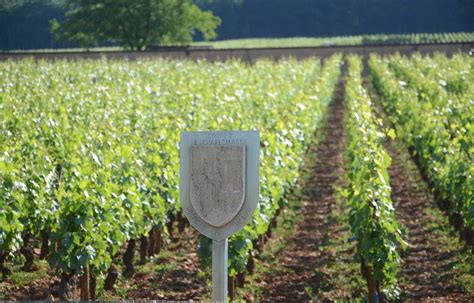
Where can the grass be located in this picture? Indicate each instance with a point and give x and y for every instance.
(19, 278)
(283, 42)
(68, 50)
(414, 38)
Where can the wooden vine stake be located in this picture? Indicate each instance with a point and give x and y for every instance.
(372, 284)
(84, 284)
(231, 288)
(219, 183)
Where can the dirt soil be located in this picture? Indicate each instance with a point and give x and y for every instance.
(428, 269)
(300, 261)
(175, 274)
(38, 290)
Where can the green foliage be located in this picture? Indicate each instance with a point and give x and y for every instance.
(289, 112)
(430, 103)
(10, 206)
(417, 38)
(7, 6)
(134, 24)
(372, 216)
(320, 18)
(113, 127)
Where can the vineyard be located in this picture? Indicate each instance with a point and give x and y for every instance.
(393, 39)
(374, 173)
(438, 128)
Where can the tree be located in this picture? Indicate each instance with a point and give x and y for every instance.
(9, 5)
(134, 24)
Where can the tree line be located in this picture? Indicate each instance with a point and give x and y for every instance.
(322, 18)
(27, 24)
(132, 24)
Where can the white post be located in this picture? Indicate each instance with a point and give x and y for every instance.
(219, 270)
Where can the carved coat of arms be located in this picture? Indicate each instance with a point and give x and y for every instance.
(217, 187)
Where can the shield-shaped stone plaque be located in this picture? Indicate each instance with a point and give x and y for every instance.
(217, 182)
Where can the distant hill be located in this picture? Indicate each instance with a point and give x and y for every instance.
(27, 26)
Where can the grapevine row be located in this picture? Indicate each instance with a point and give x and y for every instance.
(447, 92)
(417, 38)
(90, 157)
(437, 125)
(285, 143)
(371, 217)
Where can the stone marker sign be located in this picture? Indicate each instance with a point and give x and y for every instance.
(220, 170)
(217, 182)
(219, 175)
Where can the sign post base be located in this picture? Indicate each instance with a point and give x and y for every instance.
(219, 270)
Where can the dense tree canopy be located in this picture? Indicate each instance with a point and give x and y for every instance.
(323, 18)
(7, 6)
(134, 24)
(24, 24)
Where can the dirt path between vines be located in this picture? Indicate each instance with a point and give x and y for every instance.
(300, 263)
(428, 269)
(174, 274)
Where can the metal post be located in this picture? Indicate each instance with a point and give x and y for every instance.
(219, 270)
